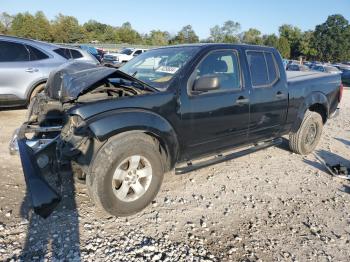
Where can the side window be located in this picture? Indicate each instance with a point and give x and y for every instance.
(138, 52)
(13, 52)
(75, 54)
(258, 68)
(64, 52)
(36, 54)
(222, 64)
(271, 67)
(262, 66)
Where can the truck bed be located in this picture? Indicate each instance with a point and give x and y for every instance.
(296, 76)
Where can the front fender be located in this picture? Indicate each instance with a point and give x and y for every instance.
(311, 99)
(111, 123)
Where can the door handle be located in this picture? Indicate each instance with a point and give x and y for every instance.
(242, 100)
(32, 70)
(280, 95)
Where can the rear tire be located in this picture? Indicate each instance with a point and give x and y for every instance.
(305, 140)
(126, 174)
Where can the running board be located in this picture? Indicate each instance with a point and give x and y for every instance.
(222, 158)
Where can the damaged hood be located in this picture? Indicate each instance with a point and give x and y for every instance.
(72, 79)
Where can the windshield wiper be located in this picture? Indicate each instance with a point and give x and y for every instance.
(134, 74)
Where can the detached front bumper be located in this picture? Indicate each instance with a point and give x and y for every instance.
(35, 155)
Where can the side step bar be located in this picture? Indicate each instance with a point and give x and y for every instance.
(222, 158)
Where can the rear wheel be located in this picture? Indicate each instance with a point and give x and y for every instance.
(126, 174)
(305, 140)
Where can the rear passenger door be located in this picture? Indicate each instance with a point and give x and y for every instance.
(17, 70)
(268, 97)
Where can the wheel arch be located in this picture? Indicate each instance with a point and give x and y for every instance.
(110, 124)
(316, 102)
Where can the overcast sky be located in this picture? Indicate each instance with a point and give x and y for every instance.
(172, 15)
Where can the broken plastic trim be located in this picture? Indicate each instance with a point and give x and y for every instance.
(44, 197)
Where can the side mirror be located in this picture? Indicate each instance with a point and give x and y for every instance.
(206, 83)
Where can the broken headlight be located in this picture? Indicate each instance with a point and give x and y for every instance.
(75, 127)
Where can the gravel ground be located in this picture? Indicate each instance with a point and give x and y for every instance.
(270, 205)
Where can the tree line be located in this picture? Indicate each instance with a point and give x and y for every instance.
(329, 41)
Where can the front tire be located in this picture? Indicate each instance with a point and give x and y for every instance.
(305, 140)
(126, 174)
(38, 89)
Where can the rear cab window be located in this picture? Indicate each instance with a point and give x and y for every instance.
(263, 68)
(137, 52)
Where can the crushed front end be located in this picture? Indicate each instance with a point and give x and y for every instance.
(52, 140)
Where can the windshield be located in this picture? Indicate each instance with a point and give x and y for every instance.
(158, 67)
(126, 51)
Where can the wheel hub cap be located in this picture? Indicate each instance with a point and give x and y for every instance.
(132, 178)
(311, 134)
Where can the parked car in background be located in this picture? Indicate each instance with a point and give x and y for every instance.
(342, 67)
(297, 67)
(345, 78)
(285, 63)
(93, 51)
(101, 53)
(120, 58)
(326, 69)
(25, 66)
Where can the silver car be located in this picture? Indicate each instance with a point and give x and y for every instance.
(25, 66)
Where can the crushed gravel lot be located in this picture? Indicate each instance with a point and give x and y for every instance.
(270, 205)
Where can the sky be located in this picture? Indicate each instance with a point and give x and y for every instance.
(172, 15)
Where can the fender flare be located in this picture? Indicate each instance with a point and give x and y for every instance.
(312, 99)
(111, 123)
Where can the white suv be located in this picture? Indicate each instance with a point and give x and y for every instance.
(119, 59)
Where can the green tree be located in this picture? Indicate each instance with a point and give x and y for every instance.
(293, 35)
(332, 39)
(283, 47)
(252, 36)
(186, 35)
(66, 29)
(227, 33)
(23, 25)
(109, 35)
(95, 30)
(42, 27)
(126, 34)
(5, 22)
(270, 40)
(306, 45)
(157, 37)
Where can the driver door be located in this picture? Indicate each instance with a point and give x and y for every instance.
(216, 119)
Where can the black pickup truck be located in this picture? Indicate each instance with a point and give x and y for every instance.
(180, 107)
